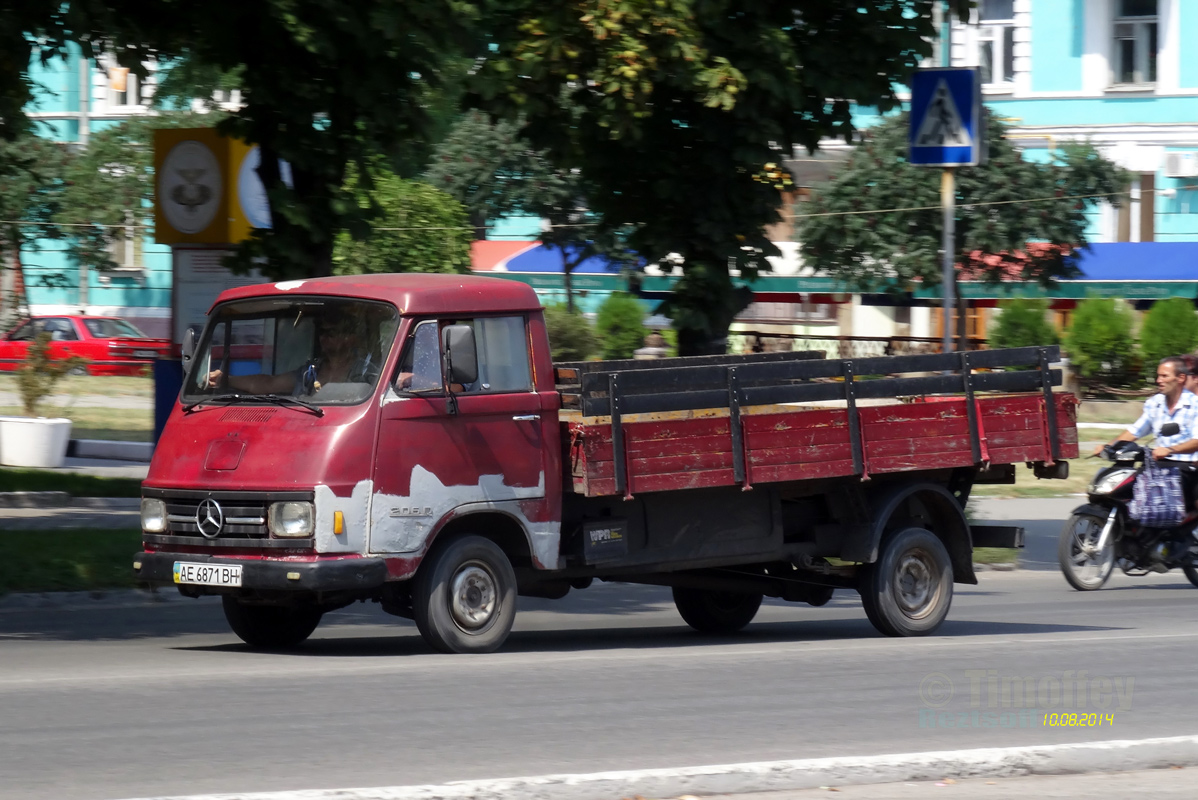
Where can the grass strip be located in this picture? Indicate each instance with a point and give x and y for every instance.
(995, 555)
(68, 560)
(74, 484)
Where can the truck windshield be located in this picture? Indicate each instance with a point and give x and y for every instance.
(326, 351)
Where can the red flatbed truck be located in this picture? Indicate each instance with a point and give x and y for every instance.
(455, 467)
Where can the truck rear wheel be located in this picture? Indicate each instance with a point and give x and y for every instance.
(464, 596)
(710, 611)
(272, 627)
(908, 591)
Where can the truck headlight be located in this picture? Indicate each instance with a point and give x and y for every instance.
(153, 515)
(290, 520)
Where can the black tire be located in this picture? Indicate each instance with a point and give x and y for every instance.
(710, 611)
(909, 590)
(1084, 572)
(464, 596)
(1191, 572)
(271, 627)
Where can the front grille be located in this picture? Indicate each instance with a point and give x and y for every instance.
(241, 519)
(242, 516)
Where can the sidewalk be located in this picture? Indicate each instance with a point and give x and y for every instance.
(84, 512)
(1159, 784)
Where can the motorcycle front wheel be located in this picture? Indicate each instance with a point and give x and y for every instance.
(1191, 571)
(1084, 568)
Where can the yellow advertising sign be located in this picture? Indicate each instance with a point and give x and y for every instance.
(207, 189)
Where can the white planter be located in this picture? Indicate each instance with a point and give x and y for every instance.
(34, 441)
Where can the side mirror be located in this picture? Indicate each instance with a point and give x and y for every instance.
(189, 347)
(1170, 429)
(461, 358)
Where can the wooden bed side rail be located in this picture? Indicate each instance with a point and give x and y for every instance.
(615, 393)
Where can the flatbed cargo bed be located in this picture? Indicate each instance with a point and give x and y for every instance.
(653, 443)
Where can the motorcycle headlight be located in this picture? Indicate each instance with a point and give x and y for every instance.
(1109, 483)
(290, 519)
(153, 515)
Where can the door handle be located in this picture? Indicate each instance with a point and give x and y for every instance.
(526, 417)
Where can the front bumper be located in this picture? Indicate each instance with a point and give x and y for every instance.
(328, 575)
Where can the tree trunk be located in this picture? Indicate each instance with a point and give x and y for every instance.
(478, 221)
(568, 280)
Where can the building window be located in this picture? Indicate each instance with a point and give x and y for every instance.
(125, 90)
(996, 41)
(1135, 42)
(784, 313)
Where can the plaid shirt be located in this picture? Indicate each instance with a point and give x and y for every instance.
(1156, 414)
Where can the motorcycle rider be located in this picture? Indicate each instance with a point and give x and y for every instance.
(1173, 403)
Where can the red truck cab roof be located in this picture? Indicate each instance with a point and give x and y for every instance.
(414, 293)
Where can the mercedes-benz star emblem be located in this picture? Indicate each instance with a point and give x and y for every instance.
(209, 518)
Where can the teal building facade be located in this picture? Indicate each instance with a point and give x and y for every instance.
(1120, 74)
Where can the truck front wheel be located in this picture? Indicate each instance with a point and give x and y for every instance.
(710, 611)
(908, 591)
(271, 627)
(464, 596)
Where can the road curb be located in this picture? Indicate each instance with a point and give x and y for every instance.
(65, 501)
(767, 776)
(113, 450)
(34, 499)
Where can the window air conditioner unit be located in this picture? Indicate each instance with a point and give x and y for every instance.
(1181, 164)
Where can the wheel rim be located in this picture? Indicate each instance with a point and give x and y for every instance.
(1089, 565)
(917, 584)
(474, 597)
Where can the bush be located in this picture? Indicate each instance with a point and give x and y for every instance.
(571, 337)
(1023, 323)
(621, 325)
(38, 374)
(1100, 343)
(1170, 329)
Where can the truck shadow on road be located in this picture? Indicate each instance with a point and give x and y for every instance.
(667, 637)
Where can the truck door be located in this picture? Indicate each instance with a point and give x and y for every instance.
(488, 455)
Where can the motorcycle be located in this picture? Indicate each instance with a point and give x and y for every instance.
(1101, 533)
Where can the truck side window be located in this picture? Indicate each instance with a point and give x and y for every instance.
(502, 355)
(420, 367)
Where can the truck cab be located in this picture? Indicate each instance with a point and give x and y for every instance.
(327, 433)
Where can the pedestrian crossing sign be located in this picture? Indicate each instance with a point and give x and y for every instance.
(946, 111)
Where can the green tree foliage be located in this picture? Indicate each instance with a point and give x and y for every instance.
(671, 109)
(1170, 329)
(31, 190)
(621, 325)
(994, 222)
(38, 373)
(419, 229)
(571, 337)
(490, 170)
(324, 84)
(1023, 323)
(1100, 343)
(486, 165)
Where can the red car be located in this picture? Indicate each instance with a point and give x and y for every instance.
(111, 345)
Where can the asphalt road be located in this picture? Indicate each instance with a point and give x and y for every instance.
(102, 700)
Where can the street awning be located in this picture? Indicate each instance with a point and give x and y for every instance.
(1128, 270)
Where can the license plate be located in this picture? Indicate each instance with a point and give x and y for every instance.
(145, 353)
(208, 574)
